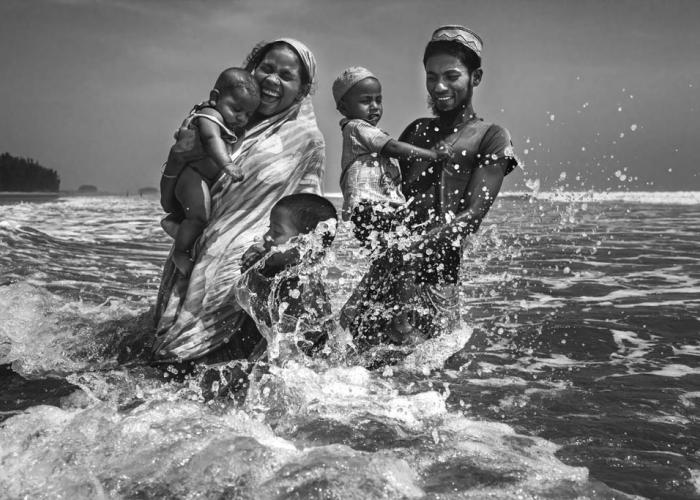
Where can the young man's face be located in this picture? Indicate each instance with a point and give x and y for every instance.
(281, 230)
(449, 82)
(363, 101)
(236, 106)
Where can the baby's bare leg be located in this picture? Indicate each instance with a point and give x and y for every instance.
(193, 194)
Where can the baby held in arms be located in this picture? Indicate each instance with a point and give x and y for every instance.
(217, 124)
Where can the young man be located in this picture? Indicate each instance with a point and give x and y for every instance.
(452, 201)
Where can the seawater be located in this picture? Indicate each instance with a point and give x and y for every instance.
(576, 373)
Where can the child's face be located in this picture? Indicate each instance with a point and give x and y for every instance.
(363, 101)
(236, 106)
(281, 230)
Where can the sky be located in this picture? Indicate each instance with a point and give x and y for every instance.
(597, 94)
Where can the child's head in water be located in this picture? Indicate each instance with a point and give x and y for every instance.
(300, 214)
(291, 216)
(358, 95)
(235, 96)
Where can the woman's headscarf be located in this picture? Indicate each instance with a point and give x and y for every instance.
(306, 56)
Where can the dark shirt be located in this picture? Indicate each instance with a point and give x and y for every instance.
(437, 191)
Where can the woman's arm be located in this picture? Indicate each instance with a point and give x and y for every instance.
(168, 180)
(187, 148)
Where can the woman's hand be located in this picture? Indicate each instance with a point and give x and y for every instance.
(187, 149)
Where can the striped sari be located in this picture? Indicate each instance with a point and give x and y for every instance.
(282, 155)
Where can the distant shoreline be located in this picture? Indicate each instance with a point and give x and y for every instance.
(28, 195)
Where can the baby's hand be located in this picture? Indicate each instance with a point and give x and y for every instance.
(236, 173)
(251, 256)
(444, 151)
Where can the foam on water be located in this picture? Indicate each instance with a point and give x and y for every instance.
(35, 340)
(170, 444)
(592, 196)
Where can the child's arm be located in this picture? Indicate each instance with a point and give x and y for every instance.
(274, 261)
(214, 146)
(405, 151)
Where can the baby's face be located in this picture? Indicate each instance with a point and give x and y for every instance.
(237, 106)
(281, 230)
(363, 101)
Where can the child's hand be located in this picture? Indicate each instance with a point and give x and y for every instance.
(251, 256)
(444, 151)
(235, 172)
(278, 261)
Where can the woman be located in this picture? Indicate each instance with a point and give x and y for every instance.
(449, 200)
(282, 153)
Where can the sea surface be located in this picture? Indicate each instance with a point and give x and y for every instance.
(575, 374)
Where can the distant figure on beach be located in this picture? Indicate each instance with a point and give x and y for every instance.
(282, 153)
(370, 178)
(450, 199)
(215, 123)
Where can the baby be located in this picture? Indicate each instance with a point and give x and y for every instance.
(370, 178)
(286, 290)
(370, 175)
(232, 101)
(282, 291)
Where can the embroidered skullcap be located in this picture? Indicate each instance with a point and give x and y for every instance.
(461, 35)
(348, 78)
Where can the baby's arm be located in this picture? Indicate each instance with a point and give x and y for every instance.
(406, 151)
(214, 145)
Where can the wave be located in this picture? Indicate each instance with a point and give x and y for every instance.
(642, 197)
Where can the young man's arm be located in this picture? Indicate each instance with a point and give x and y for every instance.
(484, 186)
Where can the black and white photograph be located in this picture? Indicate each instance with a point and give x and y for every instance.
(324, 249)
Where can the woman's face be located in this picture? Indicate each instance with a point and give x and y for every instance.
(448, 81)
(279, 77)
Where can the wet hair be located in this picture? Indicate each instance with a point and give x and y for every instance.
(307, 210)
(231, 79)
(468, 57)
(262, 48)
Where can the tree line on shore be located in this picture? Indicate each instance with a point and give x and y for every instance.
(25, 174)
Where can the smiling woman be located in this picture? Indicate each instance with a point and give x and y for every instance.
(282, 153)
(282, 78)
